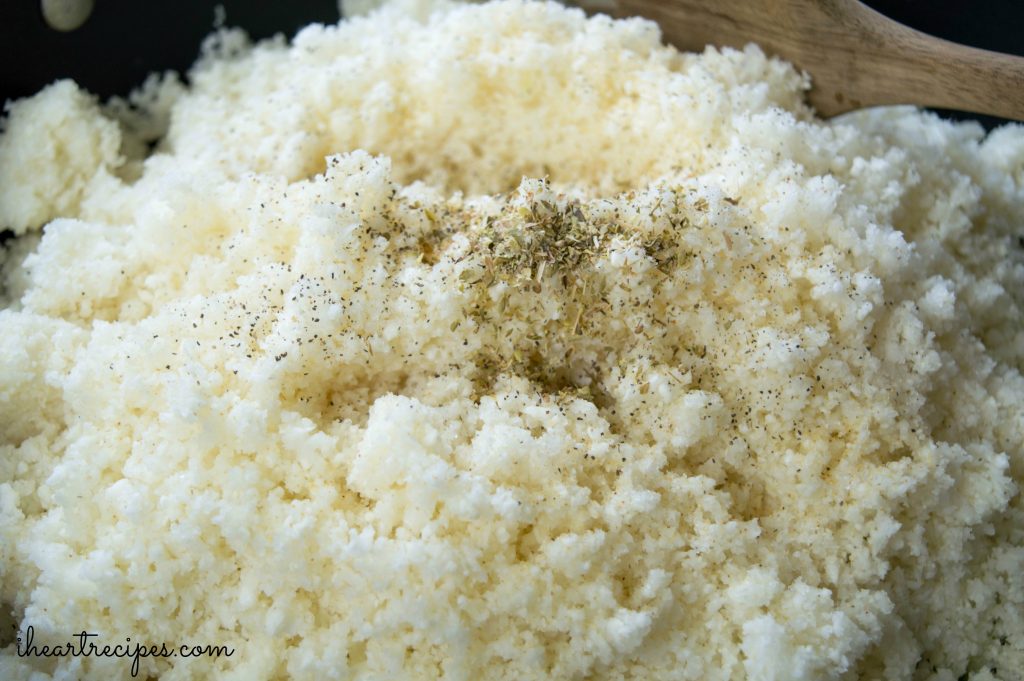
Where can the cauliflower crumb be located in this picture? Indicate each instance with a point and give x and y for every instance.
(492, 341)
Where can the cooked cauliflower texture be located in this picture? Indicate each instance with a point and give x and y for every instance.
(498, 342)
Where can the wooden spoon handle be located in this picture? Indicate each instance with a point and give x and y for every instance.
(856, 56)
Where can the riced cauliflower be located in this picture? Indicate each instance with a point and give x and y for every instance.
(497, 342)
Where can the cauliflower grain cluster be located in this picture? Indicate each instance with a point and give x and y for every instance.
(498, 342)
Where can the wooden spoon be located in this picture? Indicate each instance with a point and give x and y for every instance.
(856, 57)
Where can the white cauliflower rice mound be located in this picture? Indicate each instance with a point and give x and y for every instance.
(495, 342)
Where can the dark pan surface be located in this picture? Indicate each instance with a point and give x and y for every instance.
(124, 40)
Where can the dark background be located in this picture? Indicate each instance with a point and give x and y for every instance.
(107, 58)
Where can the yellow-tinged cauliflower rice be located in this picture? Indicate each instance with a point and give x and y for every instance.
(496, 342)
